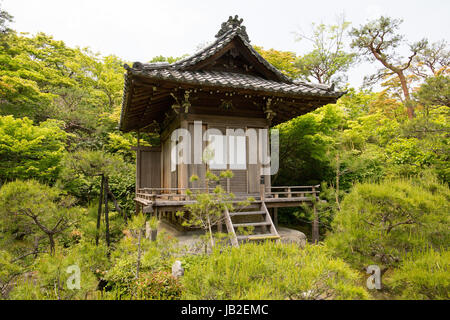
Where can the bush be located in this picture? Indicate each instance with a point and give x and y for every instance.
(50, 275)
(381, 222)
(34, 213)
(80, 177)
(271, 271)
(423, 276)
(157, 257)
(158, 285)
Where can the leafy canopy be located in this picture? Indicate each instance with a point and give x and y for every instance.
(30, 151)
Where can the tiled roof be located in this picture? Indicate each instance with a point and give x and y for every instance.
(265, 81)
(209, 51)
(178, 71)
(234, 80)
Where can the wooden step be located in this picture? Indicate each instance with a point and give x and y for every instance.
(246, 213)
(251, 224)
(255, 237)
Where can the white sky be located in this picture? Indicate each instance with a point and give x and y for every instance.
(137, 30)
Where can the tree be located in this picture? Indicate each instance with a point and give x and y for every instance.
(432, 60)
(208, 208)
(5, 18)
(381, 222)
(377, 40)
(85, 164)
(137, 225)
(30, 151)
(434, 92)
(328, 60)
(304, 143)
(30, 209)
(170, 59)
(282, 60)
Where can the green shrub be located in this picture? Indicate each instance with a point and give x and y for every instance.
(48, 281)
(381, 222)
(423, 276)
(156, 257)
(157, 285)
(35, 214)
(271, 271)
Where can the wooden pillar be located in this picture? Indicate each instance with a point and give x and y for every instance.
(138, 161)
(183, 167)
(262, 188)
(315, 225)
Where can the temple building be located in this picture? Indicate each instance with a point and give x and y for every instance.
(223, 99)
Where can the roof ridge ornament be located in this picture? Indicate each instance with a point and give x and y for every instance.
(233, 24)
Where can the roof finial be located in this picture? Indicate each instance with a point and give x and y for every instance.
(231, 24)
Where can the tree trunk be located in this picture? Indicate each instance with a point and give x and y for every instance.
(52, 243)
(210, 233)
(99, 214)
(106, 212)
(409, 107)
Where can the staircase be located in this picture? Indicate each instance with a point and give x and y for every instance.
(259, 219)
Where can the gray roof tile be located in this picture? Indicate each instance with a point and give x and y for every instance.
(233, 80)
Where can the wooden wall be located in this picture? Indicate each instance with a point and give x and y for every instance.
(243, 181)
(148, 167)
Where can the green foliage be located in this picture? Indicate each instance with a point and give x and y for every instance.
(421, 144)
(282, 60)
(161, 58)
(304, 143)
(30, 151)
(8, 271)
(157, 286)
(31, 211)
(5, 18)
(50, 276)
(157, 257)
(42, 77)
(435, 91)
(59, 115)
(80, 176)
(153, 223)
(328, 60)
(271, 271)
(380, 222)
(423, 276)
(121, 144)
(379, 40)
(209, 207)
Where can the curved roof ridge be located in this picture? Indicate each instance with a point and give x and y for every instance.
(207, 48)
(213, 48)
